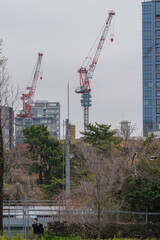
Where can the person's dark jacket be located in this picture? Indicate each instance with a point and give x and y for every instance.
(36, 229)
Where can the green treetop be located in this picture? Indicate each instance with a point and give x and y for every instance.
(45, 152)
(99, 136)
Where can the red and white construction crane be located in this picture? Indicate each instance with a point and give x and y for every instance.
(27, 98)
(87, 74)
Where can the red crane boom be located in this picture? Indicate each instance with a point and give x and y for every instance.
(28, 97)
(86, 75)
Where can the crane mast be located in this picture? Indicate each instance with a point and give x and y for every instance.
(87, 74)
(28, 97)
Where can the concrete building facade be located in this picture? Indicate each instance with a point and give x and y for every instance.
(72, 131)
(44, 112)
(151, 65)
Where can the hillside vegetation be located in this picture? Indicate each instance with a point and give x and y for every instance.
(106, 171)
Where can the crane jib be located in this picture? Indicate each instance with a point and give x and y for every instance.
(87, 74)
(28, 97)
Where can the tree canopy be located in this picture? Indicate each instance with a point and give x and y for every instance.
(45, 152)
(99, 136)
(142, 191)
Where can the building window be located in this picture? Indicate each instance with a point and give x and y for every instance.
(157, 119)
(147, 111)
(147, 59)
(147, 84)
(158, 101)
(157, 41)
(157, 49)
(147, 93)
(147, 25)
(148, 102)
(148, 76)
(158, 84)
(157, 58)
(40, 111)
(43, 120)
(157, 24)
(147, 42)
(157, 9)
(50, 110)
(157, 75)
(157, 67)
(158, 93)
(148, 67)
(157, 33)
(148, 33)
(158, 110)
(52, 105)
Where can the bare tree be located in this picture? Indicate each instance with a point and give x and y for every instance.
(102, 174)
(18, 184)
(126, 130)
(2, 92)
(1, 176)
(8, 97)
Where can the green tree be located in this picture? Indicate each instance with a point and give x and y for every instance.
(45, 152)
(99, 136)
(142, 192)
(148, 139)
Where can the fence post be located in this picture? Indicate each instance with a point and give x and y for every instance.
(146, 215)
(9, 217)
(89, 212)
(59, 214)
(117, 215)
(25, 222)
(23, 219)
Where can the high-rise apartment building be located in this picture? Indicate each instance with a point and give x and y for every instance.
(44, 112)
(151, 65)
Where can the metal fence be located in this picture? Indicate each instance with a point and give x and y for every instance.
(18, 215)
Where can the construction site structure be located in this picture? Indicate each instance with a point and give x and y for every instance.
(87, 74)
(24, 118)
(27, 98)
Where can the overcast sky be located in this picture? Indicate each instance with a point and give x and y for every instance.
(64, 30)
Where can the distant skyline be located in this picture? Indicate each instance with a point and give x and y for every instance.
(65, 31)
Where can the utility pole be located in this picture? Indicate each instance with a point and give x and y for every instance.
(67, 153)
(63, 156)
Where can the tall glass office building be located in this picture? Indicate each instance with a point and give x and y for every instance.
(151, 65)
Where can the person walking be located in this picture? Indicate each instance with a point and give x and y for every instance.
(36, 229)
